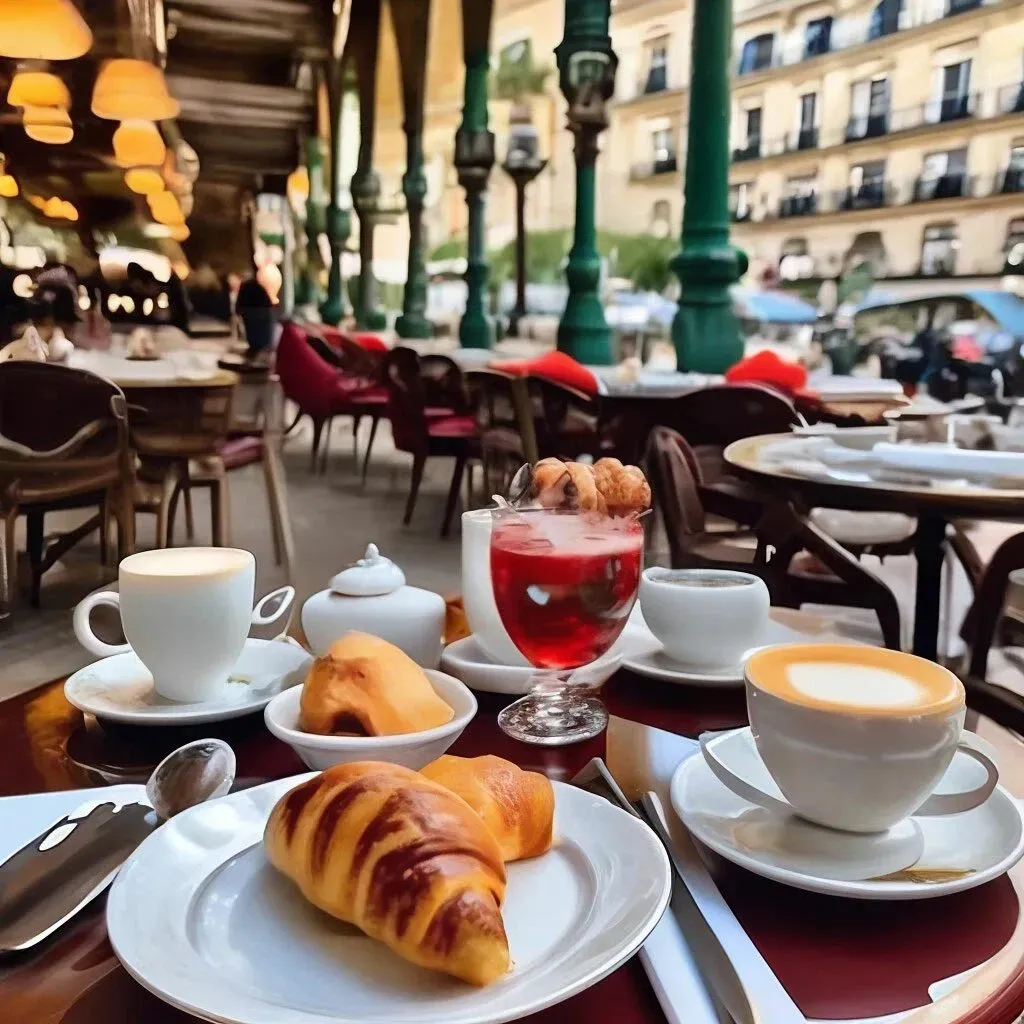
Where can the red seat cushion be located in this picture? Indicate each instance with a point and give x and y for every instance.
(555, 366)
(437, 412)
(453, 426)
(767, 367)
(240, 451)
(371, 342)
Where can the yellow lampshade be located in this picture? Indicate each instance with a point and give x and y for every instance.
(128, 89)
(38, 89)
(8, 186)
(144, 180)
(297, 186)
(180, 232)
(42, 30)
(54, 208)
(139, 144)
(48, 124)
(37, 201)
(165, 209)
(68, 211)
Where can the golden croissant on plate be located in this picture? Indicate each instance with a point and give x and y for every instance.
(518, 807)
(402, 858)
(606, 487)
(364, 686)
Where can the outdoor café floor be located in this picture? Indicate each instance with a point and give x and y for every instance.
(333, 518)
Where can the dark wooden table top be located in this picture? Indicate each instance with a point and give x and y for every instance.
(839, 959)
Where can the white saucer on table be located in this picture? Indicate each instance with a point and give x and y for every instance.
(466, 660)
(120, 688)
(649, 659)
(986, 841)
(200, 918)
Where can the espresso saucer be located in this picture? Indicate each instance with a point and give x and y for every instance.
(650, 659)
(120, 688)
(466, 660)
(922, 857)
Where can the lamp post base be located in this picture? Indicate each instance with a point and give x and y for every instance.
(371, 320)
(707, 338)
(414, 326)
(583, 332)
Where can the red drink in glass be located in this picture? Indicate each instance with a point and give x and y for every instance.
(564, 583)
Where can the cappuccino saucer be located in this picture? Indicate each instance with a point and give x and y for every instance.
(650, 659)
(120, 688)
(919, 858)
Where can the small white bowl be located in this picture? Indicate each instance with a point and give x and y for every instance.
(412, 750)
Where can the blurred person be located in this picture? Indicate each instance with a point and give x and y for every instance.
(256, 312)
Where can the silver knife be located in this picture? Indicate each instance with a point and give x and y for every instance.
(642, 760)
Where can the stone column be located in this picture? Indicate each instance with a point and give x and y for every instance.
(705, 330)
(586, 70)
(339, 218)
(474, 158)
(364, 34)
(411, 19)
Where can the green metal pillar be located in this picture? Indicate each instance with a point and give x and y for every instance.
(705, 330)
(412, 24)
(307, 291)
(339, 218)
(474, 158)
(365, 38)
(586, 67)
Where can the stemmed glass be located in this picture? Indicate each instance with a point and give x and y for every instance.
(564, 583)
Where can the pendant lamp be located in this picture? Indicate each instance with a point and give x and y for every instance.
(69, 211)
(180, 232)
(54, 208)
(8, 186)
(38, 89)
(42, 30)
(165, 209)
(145, 181)
(128, 89)
(48, 124)
(138, 144)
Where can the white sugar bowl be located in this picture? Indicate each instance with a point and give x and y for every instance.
(371, 596)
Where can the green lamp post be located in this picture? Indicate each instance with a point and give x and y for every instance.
(705, 330)
(307, 291)
(339, 216)
(474, 158)
(586, 73)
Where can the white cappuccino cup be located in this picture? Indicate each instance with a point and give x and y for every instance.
(186, 613)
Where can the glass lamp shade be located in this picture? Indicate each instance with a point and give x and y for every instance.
(8, 186)
(48, 124)
(42, 30)
(139, 144)
(128, 89)
(38, 89)
(145, 181)
(165, 209)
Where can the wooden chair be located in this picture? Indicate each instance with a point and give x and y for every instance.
(64, 443)
(767, 550)
(566, 421)
(423, 436)
(444, 386)
(254, 437)
(502, 449)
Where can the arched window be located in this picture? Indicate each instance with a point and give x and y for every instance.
(795, 263)
(661, 219)
(938, 250)
(885, 18)
(868, 248)
(757, 53)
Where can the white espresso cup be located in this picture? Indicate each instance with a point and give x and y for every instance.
(856, 738)
(477, 593)
(705, 618)
(186, 613)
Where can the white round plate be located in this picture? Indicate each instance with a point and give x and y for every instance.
(651, 660)
(199, 917)
(987, 841)
(120, 688)
(465, 660)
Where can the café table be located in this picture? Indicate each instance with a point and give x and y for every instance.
(839, 959)
(933, 504)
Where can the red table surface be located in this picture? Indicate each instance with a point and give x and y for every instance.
(839, 959)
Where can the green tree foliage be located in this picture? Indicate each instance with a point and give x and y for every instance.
(516, 75)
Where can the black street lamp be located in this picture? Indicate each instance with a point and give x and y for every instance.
(522, 164)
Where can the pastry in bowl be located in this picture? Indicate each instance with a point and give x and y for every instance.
(401, 857)
(518, 807)
(365, 686)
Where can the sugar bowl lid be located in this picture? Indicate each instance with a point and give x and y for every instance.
(371, 576)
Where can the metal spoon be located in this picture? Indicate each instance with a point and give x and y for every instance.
(55, 875)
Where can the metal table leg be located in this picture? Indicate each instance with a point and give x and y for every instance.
(929, 549)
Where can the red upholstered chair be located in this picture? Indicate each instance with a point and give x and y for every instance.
(322, 389)
(424, 436)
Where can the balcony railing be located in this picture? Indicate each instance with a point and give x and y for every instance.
(872, 195)
(1011, 180)
(650, 168)
(953, 185)
(798, 206)
(856, 30)
(656, 80)
(1010, 99)
(870, 126)
(752, 151)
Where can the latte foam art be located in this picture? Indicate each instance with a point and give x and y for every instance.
(859, 686)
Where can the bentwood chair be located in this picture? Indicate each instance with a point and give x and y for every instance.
(566, 420)
(424, 436)
(768, 550)
(64, 443)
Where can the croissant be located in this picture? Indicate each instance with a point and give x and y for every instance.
(607, 487)
(364, 686)
(518, 807)
(400, 857)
